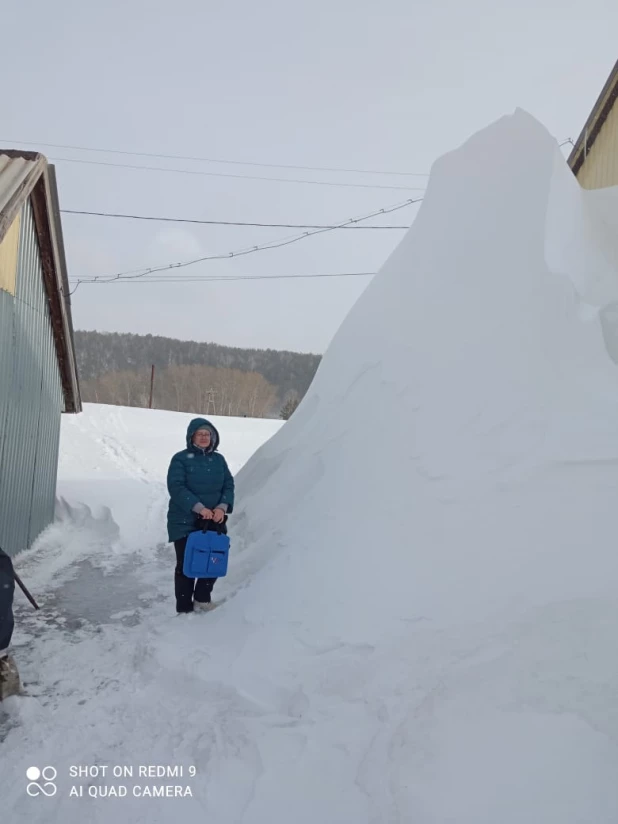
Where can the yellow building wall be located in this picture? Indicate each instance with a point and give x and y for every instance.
(8, 257)
(600, 168)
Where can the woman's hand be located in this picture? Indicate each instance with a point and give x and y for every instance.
(218, 516)
(207, 514)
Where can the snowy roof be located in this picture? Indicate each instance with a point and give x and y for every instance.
(596, 119)
(26, 175)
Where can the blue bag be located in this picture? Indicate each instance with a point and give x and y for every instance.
(206, 553)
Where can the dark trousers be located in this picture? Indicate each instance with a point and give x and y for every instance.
(187, 589)
(7, 588)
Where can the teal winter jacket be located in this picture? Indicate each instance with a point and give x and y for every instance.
(197, 476)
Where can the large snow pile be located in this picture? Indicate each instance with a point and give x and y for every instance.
(445, 598)
(422, 607)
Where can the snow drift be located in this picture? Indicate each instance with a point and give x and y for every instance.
(444, 502)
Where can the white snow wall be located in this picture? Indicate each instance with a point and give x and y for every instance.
(470, 373)
(446, 493)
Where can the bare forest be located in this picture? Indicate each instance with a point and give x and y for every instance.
(191, 377)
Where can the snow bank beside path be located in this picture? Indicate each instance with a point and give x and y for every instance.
(446, 577)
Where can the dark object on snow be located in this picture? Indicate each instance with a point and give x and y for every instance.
(7, 590)
(9, 676)
(206, 552)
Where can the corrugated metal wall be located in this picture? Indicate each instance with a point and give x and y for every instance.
(600, 169)
(31, 401)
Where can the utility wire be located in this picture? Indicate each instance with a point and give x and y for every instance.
(236, 177)
(140, 273)
(215, 160)
(223, 222)
(217, 278)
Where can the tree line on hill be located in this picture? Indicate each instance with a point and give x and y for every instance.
(204, 378)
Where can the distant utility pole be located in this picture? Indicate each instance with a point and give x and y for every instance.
(151, 386)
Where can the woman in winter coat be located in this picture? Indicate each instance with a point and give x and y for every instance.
(200, 486)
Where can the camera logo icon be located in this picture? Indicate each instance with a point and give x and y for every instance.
(48, 788)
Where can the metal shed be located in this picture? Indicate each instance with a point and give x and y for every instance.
(38, 374)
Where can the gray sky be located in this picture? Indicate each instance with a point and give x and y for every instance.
(344, 83)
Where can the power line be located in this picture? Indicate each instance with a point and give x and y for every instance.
(235, 177)
(140, 273)
(218, 160)
(222, 222)
(221, 278)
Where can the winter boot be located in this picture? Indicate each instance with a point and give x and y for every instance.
(203, 606)
(9, 678)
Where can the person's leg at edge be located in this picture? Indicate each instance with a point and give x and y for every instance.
(183, 586)
(203, 590)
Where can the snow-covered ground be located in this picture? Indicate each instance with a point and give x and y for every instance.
(422, 607)
(103, 577)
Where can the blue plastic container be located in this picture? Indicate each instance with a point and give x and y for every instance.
(206, 555)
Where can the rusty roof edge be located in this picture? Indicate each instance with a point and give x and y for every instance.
(73, 401)
(65, 291)
(596, 118)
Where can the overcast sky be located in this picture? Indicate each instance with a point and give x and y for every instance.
(352, 84)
